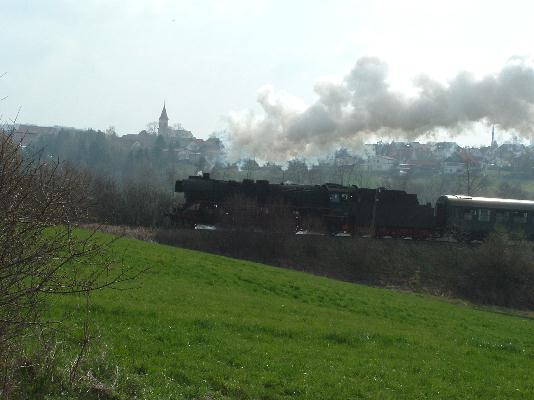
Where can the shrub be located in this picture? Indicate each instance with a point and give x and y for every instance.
(499, 272)
(40, 256)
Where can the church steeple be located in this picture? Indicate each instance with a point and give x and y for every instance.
(163, 121)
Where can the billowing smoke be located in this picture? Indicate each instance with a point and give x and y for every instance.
(363, 103)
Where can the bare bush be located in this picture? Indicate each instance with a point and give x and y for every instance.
(139, 203)
(40, 253)
(499, 272)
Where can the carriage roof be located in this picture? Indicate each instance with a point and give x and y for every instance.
(487, 202)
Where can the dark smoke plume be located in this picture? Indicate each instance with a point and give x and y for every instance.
(363, 104)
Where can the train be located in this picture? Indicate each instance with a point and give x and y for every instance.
(345, 210)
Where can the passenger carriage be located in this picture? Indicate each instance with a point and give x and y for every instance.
(467, 217)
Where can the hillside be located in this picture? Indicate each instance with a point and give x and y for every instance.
(209, 327)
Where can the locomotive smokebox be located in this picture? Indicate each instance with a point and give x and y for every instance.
(179, 186)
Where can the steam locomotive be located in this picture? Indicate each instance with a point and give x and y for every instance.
(337, 209)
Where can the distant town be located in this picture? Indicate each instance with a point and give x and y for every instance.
(404, 158)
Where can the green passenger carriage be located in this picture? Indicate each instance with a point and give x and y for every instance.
(475, 217)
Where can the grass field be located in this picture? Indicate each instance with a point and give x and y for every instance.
(208, 327)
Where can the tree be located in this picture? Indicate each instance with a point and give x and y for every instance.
(250, 166)
(159, 144)
(111, 131)
(511, 191)
(272, 172)
(473, 179)
(297, 170)
(152, 127)
(41, 254)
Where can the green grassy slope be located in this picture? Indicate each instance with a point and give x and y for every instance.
(204, 326)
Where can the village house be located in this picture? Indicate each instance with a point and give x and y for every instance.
(460, 162)
(443, 150)
(453, 165)
(381, 163)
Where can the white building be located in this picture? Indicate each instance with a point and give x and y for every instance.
(382, 163)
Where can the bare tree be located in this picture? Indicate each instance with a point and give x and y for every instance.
(111, 131)
(152, 127)
(41, 254)
(473, 179)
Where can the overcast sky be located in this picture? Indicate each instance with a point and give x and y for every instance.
(108, 63)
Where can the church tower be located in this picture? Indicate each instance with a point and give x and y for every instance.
(493, 141)
(163, 121)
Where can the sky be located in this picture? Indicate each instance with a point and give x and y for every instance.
(101, 63)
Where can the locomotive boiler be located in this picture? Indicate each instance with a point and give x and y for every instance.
(330, 207)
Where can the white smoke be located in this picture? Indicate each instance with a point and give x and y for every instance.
(363, 103)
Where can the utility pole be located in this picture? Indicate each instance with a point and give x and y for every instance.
(468, 170)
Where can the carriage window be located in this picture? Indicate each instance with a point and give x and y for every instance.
(501, 216)
(334, 197)
(344, 197)
(519, 217)
(484, 215)
(469, 215)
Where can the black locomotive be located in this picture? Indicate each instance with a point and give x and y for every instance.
(329, 207)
